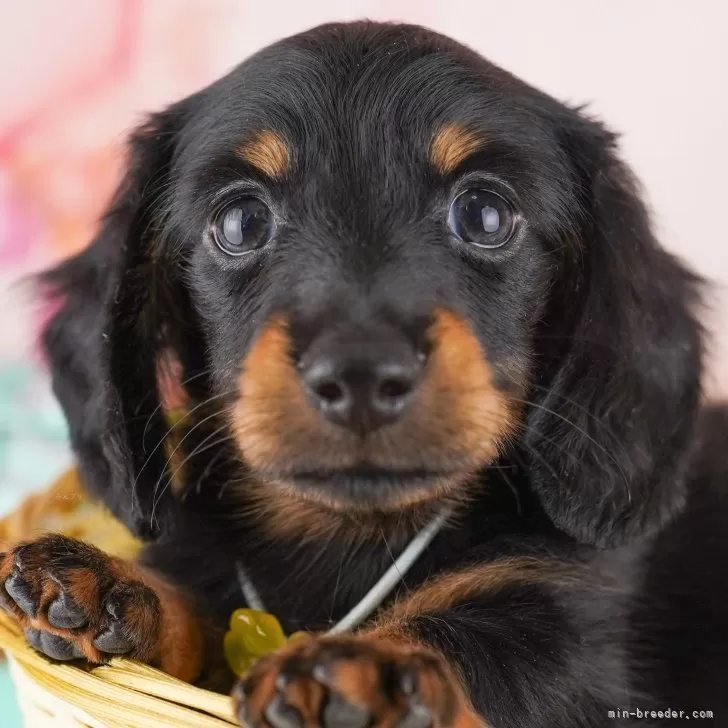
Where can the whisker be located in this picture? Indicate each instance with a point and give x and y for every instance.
(584, 410)
(163, 439)
(513, 489)
(203, 373)
(202, 447)
(394, 560)
(336, 588)
(567, 421)
(533, 451)
(556, 444)
(156, 498)
(208, 469)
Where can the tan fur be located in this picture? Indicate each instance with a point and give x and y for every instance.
(283, 512)
(458, 586)
(360, 682)
(268, 152)
(452, 145)
(458, 414)
(180, 647)
(271, 398)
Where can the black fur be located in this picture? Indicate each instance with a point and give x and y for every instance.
(601, 317)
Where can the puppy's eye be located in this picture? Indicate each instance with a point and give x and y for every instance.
(483, 218)
(243, 226)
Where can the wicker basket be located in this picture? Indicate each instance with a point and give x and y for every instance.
(121, 694)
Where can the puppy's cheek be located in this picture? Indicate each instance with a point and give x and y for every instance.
(270, 401)
(464, 408)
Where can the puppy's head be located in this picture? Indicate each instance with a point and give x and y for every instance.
(383, 263)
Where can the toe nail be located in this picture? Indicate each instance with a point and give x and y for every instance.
(321, 674)
(343, 714)
(281, 681)
(408, 682)
(418, 716)
(281, 715)
(240, 696)
(114, 609)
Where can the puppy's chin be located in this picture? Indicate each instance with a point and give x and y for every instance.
(373, 490)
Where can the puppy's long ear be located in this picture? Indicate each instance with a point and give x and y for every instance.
(616, 402)
(115, 319)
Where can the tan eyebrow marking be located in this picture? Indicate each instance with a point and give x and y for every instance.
(452, 144)
(268, 152)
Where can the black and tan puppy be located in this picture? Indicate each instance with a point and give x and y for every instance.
(396, 280)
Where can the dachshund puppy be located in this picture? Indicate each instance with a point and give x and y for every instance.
(396, 282)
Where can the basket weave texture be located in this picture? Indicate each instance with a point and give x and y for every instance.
(120, 694)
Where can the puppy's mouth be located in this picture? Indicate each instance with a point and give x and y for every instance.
(369, 487)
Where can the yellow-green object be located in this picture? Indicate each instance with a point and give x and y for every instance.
(252, 634)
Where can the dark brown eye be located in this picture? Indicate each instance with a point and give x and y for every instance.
(483, 218)
(243, 226)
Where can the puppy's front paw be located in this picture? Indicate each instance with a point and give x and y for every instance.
(75, 602)
(352, 683)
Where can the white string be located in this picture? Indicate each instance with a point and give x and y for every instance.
(381, 590)
(378, 593)
(252, 597)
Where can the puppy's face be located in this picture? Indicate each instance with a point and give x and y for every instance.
(369, 220)
(384, 261)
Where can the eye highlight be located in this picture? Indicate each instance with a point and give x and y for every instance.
(483, 218)
(242, 226)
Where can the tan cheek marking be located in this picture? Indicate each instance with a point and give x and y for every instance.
(268, 152)
(452, 145)
(460, 392)
(271, 400)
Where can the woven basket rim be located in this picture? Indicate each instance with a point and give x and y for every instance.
(120, 693)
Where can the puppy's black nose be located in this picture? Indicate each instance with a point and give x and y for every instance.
(362, 384)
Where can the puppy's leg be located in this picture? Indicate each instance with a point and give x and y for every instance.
(76, 602)
(507, 644)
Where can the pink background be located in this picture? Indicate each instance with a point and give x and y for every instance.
(77, 74)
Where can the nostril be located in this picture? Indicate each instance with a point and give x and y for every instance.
(393, 389)
(324, 387)
(330, 392)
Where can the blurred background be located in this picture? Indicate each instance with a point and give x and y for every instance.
(77, 75)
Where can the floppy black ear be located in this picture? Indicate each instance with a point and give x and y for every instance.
(114, 321)
(618, 394)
